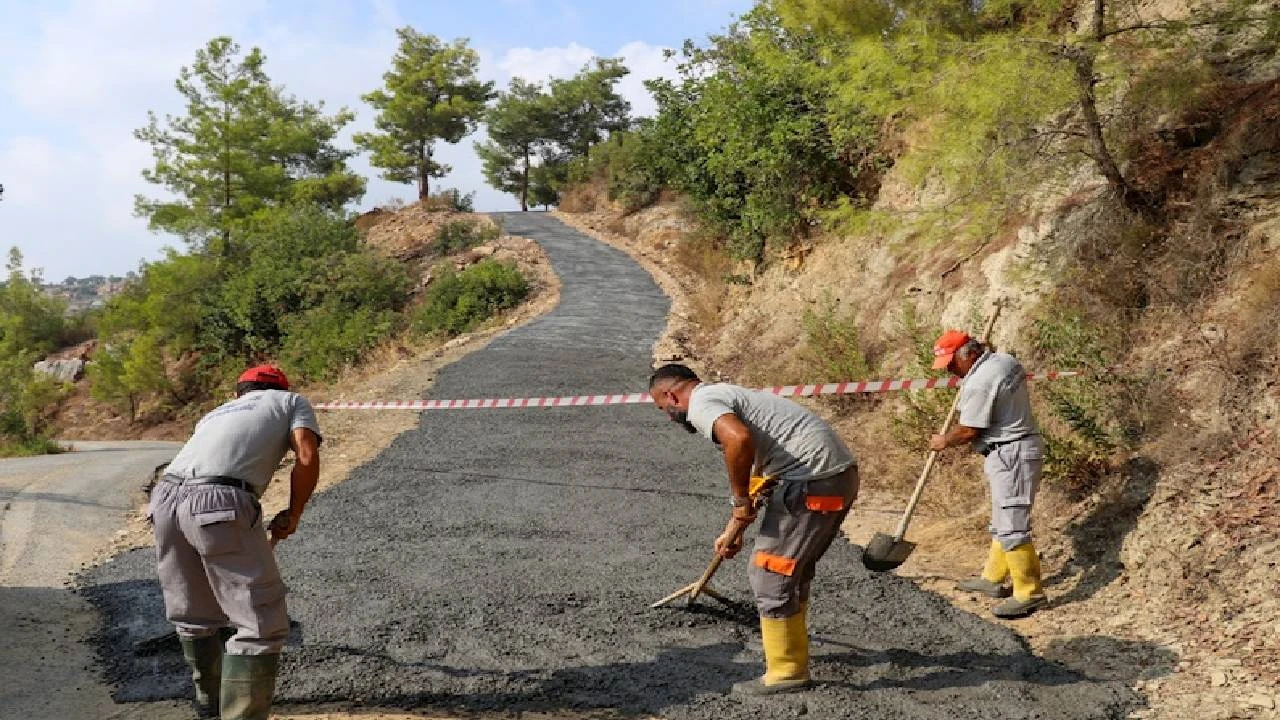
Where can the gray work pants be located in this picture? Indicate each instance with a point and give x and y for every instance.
(216, 566)
(1013, 472)
(799, 522)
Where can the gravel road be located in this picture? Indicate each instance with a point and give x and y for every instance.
(503, 560)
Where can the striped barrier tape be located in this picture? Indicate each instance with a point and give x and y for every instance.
(844, 388)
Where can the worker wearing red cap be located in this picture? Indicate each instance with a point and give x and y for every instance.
(215, 564)
(995, 418)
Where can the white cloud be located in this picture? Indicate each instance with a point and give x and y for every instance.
(538, 64)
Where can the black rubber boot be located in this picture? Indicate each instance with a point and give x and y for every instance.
(204, 656)
(248, 685)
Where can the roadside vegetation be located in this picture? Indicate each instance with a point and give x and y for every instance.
(782, 132)
(269, 265)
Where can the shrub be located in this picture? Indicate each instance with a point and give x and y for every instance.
(459, 301)
(458, 235)
(450, 199)
(832, 341)
(922, 410)
(323, 340)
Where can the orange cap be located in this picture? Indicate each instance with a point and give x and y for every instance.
(265, 374)
(946, 347)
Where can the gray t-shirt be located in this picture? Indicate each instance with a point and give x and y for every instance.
(246, 438)
(791, 442)
(994, 399)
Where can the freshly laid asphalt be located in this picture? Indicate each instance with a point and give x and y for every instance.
(504, 560)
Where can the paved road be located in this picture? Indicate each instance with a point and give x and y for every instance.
(56, 513)
(504, 560)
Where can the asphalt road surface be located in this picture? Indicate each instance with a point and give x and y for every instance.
(56, 513)
(504, 561)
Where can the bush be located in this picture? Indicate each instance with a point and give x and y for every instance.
(832, 342)
(30, 326)
(1089, 420)
(459, 301)
(25, 448)
(458, 235)
(321, 341)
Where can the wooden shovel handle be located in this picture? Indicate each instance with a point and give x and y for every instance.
(933, 454)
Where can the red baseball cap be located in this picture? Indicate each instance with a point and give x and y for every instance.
(265, 374)
(946, 347)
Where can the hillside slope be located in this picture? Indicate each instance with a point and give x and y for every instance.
(1169, 539)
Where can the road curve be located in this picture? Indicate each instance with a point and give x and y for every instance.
(503, 560)
(56, 513)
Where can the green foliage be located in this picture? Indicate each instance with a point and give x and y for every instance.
(242, 145)
(745, 133)
(922, 411)
(1088, 420)
(833, 341)
(587, 108)
(304, 261)
(456, 302)
(303, 290)
(320, 341)
(30, 326)
(123, 374)
(521, 135)
(537, 133)
(432, 93)
(458, 235)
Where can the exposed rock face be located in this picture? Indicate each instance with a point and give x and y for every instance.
(67, 370)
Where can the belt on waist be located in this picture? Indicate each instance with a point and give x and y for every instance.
(988, 447)
(215, 480)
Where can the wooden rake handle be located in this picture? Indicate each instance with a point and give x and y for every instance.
(933, 454)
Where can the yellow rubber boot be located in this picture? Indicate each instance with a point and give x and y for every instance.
(997, 567)
(1028, 593)
(786, 657)
(994, 575)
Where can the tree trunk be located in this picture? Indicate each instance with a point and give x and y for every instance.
(226, 184)
(1082, 60)
(524, 185)
(424, 172)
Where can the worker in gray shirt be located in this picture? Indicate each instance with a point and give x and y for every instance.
(995, 418)
(216, 566)
(770, 441)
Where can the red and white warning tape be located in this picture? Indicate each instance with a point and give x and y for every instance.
(844, 388)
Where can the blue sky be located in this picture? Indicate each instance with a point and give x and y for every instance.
(77, 76)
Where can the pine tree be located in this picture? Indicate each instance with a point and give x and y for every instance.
(520, 133)
(432, 93)
(241, 146)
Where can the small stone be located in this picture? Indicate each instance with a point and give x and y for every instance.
(1218, 678)
(1262, 700)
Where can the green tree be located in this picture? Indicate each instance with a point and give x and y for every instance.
(998, 84)
(520, 134)
(432, 93)
(242, 145)
(747, 133)
(125, 373)
(31, 325)
(587, 107)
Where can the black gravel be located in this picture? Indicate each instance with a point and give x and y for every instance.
(503, 560)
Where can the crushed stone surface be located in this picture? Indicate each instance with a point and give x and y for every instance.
(504, 560)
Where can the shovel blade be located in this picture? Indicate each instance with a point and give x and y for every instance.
(885, 553)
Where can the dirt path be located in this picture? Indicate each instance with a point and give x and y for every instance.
(502, 561)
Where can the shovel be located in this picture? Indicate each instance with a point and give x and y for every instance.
(886, 552)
